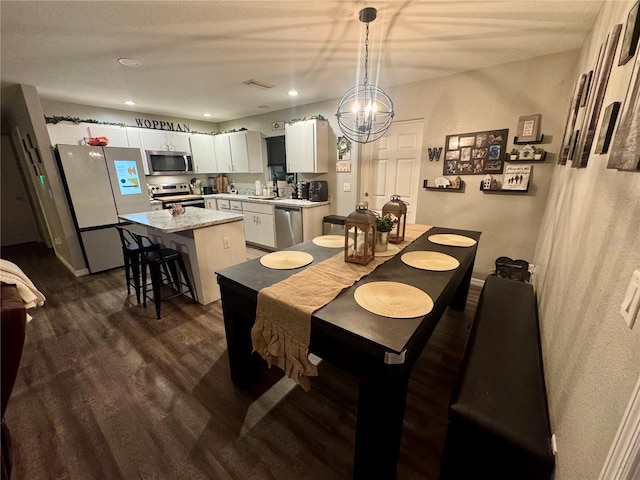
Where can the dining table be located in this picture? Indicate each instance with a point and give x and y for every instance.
(379, 350)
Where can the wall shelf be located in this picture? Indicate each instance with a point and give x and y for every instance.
(441, 189)
(518, 142)
(501, 190)
(526, 160)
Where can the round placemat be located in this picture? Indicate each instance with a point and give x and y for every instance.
(452, 240)
(286, 260)
(393, 299)
(331, 241)
(436, 261)
(389, 252)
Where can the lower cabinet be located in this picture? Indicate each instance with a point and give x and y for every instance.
(210, 203)
(259, 224)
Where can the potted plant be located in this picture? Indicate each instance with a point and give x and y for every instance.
(384, 225)
(514, 154)
(538, 153)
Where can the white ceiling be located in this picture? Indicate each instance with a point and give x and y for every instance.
(196, 54)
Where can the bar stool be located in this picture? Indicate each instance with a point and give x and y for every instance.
(131, 252)
(156, 259)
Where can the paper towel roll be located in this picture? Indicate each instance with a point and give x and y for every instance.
(258, 187)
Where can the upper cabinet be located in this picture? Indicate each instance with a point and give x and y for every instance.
(307, 146)
(67, 133)
(116, 135)
(165, 141)
(240, 152)
(203, 153)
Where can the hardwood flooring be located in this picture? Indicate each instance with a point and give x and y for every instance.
(106, 391)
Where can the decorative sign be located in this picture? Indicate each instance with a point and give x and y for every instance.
(343, 166)
(476, 153)
(516, 177)
(529, 128)
(162, 125)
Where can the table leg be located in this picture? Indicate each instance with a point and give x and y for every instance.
(239, 317)
(459, 300)
(381, 404)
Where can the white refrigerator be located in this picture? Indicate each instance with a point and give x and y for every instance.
(102, 183)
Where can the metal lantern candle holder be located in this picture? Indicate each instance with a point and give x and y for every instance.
(398, 209)
(360, 228)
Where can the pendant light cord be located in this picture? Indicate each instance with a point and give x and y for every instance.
(366, 56)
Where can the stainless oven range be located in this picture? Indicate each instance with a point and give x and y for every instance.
(178, 193)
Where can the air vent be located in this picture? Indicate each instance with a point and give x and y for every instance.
(258, 84)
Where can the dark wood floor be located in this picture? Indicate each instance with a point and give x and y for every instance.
(106, 391)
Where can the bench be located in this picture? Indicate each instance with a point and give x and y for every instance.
(498, 418)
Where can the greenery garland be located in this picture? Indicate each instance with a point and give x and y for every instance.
(77, 121)
(65, 118)
(311, 117)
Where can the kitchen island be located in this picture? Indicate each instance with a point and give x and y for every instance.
(208, 240)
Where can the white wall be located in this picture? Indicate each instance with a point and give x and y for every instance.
(588, 247)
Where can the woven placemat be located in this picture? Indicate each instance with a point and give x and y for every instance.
(435, 261)
(286, 260)
(389, 252)
(393, 299)
(331, 241)
(452, 240)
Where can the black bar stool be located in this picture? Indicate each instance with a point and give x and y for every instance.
(156, 259)
(132, 252)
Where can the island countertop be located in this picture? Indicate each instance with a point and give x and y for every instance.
(192, 219)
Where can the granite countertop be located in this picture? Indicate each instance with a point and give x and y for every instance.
(192, 219)
(277, 201)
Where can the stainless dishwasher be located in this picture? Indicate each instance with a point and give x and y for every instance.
(288, 226)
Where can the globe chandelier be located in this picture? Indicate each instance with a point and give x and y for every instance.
(365, 112)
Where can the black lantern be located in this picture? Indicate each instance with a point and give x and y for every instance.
(360, 228)
(398, 209)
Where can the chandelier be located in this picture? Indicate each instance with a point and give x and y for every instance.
(365, 112)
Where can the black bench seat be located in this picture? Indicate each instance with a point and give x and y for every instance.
(498, 417)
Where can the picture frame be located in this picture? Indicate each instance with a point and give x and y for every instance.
(586, 88)
(579, 94)
(631, 35)
(626, 141)
(528, 128)
(607, 125)
(475, 153)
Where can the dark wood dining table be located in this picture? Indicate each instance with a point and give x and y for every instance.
(379, 351)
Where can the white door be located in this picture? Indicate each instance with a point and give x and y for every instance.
(391, 165)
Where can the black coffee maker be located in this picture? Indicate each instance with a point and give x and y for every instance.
(318, 191)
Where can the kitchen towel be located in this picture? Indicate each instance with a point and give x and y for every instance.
(282, 329)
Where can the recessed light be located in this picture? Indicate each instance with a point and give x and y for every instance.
(293, 93)
(129, 102)
(129, 62)
(206, 115)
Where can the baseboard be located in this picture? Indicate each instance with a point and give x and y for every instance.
(77, 273)
(476, 282)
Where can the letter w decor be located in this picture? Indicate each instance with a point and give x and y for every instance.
(434, 154)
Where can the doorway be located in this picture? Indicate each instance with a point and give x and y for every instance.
(391, 166)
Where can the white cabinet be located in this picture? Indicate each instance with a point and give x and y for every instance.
(67, 133)
(203, 153)
(210, 203)
(312, 221)
(166, 141)
(307, 146)
(116, 135)
(259, 224)
(240, 152)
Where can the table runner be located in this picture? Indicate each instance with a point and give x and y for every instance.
(282, 329)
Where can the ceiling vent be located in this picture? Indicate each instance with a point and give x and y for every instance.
(258, 84)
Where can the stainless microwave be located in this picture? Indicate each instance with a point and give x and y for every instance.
(161, 162)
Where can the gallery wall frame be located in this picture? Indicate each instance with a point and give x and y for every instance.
(579, 94)
(607, 125)
(625, 148)
(631, 35)
(475, 153)
(601, 79)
